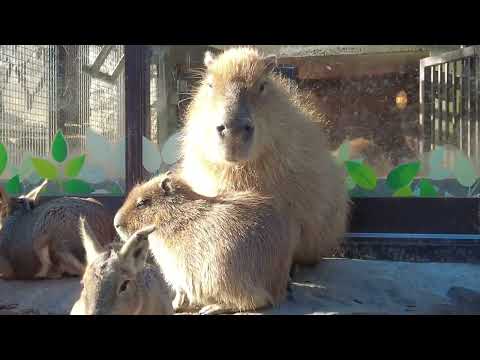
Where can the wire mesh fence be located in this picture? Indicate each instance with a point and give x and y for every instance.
(27, 98)
(45, 88)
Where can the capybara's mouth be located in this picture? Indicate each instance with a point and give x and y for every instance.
(122, 233)
(238, 152)
(238, 157)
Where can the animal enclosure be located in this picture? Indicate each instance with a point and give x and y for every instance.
(96, 119)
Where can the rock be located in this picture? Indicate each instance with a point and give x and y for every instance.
(467, 301)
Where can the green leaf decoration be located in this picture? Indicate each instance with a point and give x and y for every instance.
(405, 191)
(3, 158)
(363, 175)
(437, 170)
(74, 166)
(439, 173)
(59, 147)
(464, 170)
(436, 156)
(45, 168)
(116, 190)
(152, 159)
(344, 151)
(13, 186)
(427, 189)
(76, 186)
(350, 183)
(403, 175)
(416, 192)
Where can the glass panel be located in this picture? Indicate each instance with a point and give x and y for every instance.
(62, 118)
(391, 140)
(174, 71)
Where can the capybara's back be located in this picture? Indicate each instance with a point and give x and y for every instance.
(227, 253)
(42, 240)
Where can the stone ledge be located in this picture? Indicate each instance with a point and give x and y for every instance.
(335, 287)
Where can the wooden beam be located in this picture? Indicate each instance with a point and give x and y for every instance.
(102, 56)
(354, 66)
(137, 110)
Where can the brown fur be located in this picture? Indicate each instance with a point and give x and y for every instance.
(288, 159)
(42, 240)
(119, 281)
(226, 253)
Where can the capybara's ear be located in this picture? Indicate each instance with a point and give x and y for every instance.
(90, 243)
(270, 62)
(134, 252)
(33, 195)
(208, 59)
(167, 185)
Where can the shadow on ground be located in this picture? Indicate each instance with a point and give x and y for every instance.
(336, 286)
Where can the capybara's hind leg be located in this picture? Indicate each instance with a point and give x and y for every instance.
(54, 273)
(70, 264)
(43, 254)
(6, 271)
(180, 300)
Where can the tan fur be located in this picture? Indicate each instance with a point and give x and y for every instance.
(145, 293)
(289, 157)
(222, 254)
(42, 240)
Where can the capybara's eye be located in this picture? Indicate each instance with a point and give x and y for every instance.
(124, 286)
(142, 203)
(220, 129)
(262, 86)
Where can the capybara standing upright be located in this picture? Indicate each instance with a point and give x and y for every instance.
(249, 129)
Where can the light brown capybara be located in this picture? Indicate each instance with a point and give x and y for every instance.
(248, 129)
(221, 254)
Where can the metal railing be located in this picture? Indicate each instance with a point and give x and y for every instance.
(449, 100)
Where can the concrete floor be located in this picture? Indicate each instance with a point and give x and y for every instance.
(337, 286)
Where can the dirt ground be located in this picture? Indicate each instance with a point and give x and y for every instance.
(336, 286)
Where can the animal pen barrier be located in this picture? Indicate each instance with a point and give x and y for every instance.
(449, 100)
(46, 88)
(78, 80)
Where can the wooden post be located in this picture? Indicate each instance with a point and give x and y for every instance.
(137, 110)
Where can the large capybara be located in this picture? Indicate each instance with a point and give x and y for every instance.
(249, 129)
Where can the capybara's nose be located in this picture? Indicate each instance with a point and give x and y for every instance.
(248, 128)
(116, 221)
(221, 130)
(236, 127)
